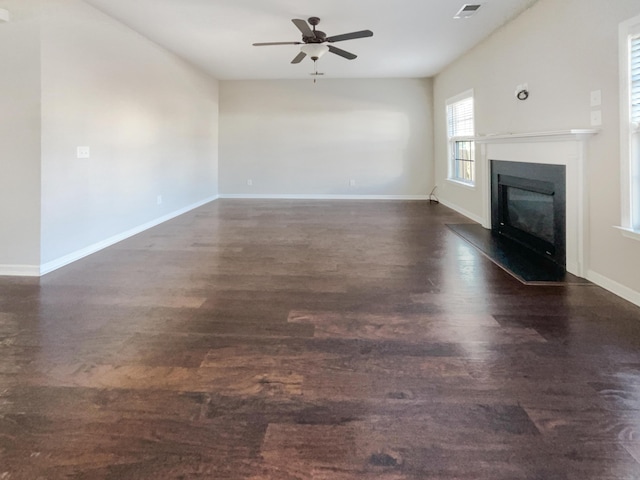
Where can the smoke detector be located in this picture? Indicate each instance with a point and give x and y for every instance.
(467, 11)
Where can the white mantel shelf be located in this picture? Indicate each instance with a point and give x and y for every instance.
(549, 136)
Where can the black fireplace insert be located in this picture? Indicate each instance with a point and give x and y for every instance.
(528, 206)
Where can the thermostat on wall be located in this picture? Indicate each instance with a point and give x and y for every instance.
(5, 16)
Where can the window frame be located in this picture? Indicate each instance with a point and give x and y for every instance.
(629, 136)
(453, 141)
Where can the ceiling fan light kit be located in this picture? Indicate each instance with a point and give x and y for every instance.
(314, 50)
(316, 43)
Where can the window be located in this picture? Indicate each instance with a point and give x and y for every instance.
(630, 123)
(460, 132)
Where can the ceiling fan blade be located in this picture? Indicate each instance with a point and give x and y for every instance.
(299, 57)
(276, 43)
(303, 26)
(342, 53)
(350, 36)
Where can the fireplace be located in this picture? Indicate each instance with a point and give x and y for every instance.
(567, 148)
(528, 206)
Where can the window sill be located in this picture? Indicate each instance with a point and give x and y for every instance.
(629, 233)
(459, 183)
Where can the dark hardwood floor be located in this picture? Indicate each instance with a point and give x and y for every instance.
(313, 340)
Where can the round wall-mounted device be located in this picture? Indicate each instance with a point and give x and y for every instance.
(522, 91)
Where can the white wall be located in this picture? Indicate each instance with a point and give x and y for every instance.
(563, 50)
(294, 137)
(150, 119)
(20, 139)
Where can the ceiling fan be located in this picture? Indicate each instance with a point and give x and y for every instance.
(316, 43)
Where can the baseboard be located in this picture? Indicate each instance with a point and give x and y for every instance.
(462, 211)
(96, 247)
(20, 270)
(614, 287)
(260, 196)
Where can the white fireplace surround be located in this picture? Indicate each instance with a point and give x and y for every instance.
(559, 147)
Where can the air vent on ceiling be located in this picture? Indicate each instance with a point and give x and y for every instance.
(467, 11)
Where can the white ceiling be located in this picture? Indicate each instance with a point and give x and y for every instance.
(412, 38)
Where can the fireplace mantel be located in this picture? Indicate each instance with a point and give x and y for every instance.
(548, 136)
(555, 147)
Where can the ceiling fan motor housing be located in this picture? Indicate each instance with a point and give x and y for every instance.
(320, 37)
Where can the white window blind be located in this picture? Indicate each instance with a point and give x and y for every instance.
(460, 126)
(629, 48)
(460, 118)
(635, 79)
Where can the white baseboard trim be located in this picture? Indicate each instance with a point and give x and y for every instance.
(614, 287)
(20, 270)
(462, 211)
(259, 196)
(84, 252)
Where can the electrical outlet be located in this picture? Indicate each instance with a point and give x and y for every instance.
(159, 199)
(596, 98)
(352, 183)
(250, 182)
(596, 118)
(83, 152)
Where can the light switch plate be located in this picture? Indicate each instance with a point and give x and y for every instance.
(596, 118)
(596, 98)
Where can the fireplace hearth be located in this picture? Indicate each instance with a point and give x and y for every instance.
(528, 207)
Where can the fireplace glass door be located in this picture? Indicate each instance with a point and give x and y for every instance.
(531, 212)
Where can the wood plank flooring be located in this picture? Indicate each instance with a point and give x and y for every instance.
(325, 340)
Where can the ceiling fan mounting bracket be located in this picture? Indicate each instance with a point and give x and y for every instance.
(313, 21)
